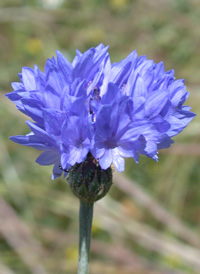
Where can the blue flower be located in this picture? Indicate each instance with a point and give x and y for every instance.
(93, 107)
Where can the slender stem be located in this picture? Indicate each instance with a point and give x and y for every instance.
(85, 225)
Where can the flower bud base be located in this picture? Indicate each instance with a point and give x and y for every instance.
(88, 181)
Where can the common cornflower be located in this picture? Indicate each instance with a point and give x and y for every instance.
(92, 108)
(89, 114)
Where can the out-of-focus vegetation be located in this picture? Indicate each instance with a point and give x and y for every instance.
(150, 224)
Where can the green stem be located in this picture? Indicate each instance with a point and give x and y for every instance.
(85, 225)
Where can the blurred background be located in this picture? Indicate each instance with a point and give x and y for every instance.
(150, 221)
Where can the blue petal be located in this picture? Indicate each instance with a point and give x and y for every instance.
(57, 172)
(106, 160)
(103, 123)
(65, 66)
(32, 141)
(77, 155)
(155, 103)
(41, 133)
(111, 95)
(53, 120)
(48, 157)
(165, 142)
(161, 124)
(32, 108)
(89, 62)
(118, 161)
(14, 96)
(17, 86)
(121, 71)
(28, 79)
(39, 78)
(138, 92)
(64, 160)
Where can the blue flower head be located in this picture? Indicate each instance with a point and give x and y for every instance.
(92, 108)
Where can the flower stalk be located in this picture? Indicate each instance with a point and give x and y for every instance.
(85, 226)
